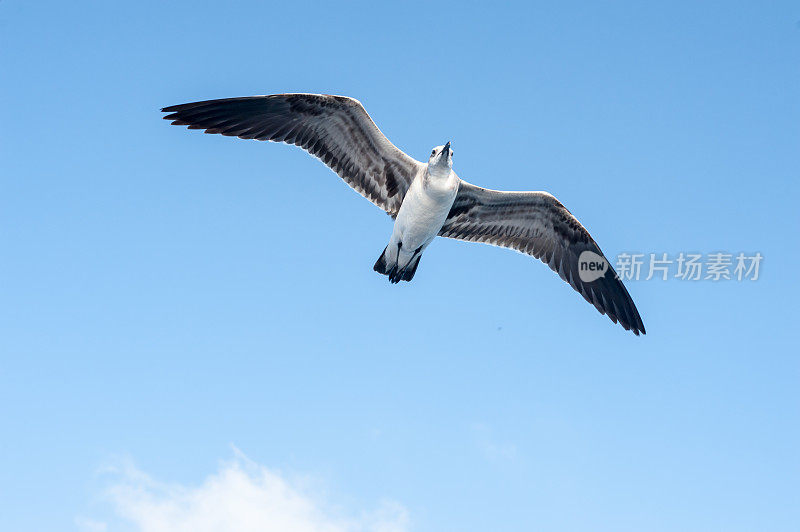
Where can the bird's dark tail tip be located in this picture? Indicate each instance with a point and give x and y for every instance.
(396, 274)
(380, 264)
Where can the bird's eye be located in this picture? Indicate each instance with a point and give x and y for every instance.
(433, 152)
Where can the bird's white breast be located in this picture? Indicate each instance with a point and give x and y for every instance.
(424, 209)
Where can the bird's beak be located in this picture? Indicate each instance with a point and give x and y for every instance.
(446, 149)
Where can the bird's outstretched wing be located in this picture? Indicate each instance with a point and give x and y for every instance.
(335, 129)
(537, 224)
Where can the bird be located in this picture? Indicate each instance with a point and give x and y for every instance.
(425, 200)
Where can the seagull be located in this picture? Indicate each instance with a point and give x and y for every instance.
(426, 200)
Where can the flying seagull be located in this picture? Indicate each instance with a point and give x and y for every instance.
(425, 199)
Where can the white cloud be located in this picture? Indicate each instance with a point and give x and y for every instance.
(241, 496)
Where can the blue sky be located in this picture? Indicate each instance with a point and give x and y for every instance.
(174, 333)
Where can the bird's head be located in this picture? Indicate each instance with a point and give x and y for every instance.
(441, 157)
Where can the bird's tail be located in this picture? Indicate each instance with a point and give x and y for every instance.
(380, 265)
(385, 266)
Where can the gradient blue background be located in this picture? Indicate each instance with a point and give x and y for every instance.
(167, 293)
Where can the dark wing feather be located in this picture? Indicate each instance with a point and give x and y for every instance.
(336, 129)
(537, 224)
